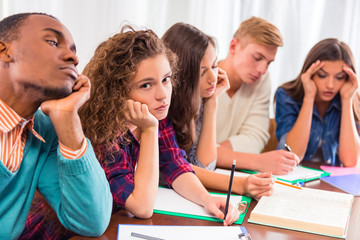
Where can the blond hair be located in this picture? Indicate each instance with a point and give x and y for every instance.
(261, 31)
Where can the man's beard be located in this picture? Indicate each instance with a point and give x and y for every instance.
(46, 93)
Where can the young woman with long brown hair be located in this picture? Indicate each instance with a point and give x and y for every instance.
(317, 114)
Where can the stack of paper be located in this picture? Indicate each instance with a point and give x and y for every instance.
(129, 232)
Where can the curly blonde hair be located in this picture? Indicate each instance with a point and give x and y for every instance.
(111, 69)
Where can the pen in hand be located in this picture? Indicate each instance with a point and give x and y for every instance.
(287, 147)
(229, 190)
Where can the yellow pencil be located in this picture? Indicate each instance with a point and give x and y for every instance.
(289, 185)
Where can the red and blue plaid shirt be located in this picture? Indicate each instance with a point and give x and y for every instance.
(42, 223)
(119, 169)
(119, 165)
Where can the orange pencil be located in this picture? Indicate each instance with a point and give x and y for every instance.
(289, 185)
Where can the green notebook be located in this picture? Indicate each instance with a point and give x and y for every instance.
(299, 174)
(170, 203)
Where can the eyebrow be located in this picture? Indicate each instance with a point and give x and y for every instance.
(342, 72)
(152, 79)
(263, 56)
(202, 67)
(61, 35)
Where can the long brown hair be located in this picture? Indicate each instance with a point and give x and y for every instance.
(329, 49)
(111, 70)
(189, 44)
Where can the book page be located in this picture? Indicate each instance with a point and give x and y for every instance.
(300, 173)
(169, 200)
(227, 172)
(309, 206)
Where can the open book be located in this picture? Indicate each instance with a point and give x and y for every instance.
(309, 210)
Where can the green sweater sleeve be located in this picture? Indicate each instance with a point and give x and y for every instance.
(77, 189)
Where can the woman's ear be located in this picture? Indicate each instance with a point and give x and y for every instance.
(4, 56)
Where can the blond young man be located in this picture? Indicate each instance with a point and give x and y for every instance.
(243, 112)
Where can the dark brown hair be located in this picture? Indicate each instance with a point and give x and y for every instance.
(189, 44)
(329, 49)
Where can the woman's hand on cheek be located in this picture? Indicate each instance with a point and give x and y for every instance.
(349, 88)
(138, 114)
(222, 83)
(310, 88)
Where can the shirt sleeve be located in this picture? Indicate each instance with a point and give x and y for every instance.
(254, 132)
(287, 111)
(73, 154)
(172, 159)
(120, 172)
(77, 190)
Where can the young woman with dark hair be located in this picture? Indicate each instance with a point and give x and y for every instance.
(193, 109)
(317, 114)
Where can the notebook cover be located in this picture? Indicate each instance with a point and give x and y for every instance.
(322, 173)
(214, 219)
(348, 183)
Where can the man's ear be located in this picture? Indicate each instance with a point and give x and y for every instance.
(4, 56)
(233, 45)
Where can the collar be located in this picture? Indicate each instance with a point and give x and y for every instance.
(9, 119)
(335, 103)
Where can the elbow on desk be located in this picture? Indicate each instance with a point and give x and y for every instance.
(93, 228)
(350, 161)
(144, 213)
(351, 164)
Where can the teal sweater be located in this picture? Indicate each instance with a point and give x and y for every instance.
(76, 189)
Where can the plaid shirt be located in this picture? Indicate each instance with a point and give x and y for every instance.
(42, 223)
(119, 165)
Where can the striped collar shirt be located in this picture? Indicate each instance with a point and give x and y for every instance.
(13, 136)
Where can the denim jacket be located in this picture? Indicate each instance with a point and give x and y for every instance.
(324, 131)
